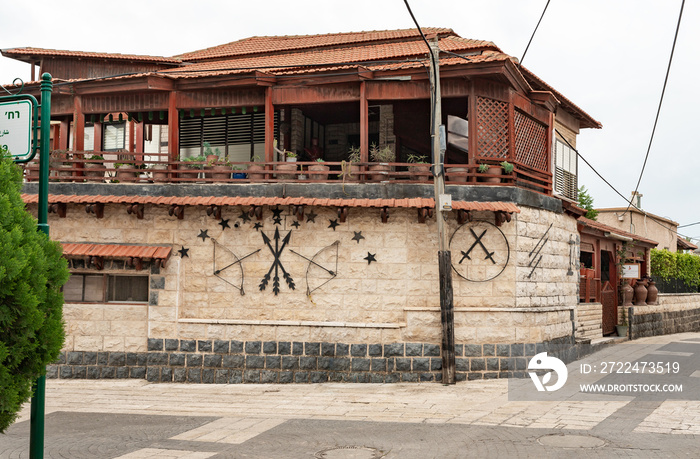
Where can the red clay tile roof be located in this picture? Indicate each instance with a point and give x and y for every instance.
(277, 44)
(682, 244)
(19, 52)
(72, 250)
(417, 203)
(375, 56)
(611, 229)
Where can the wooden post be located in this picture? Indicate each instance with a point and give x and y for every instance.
(78, 124)
(97, 135)
(269, 128)
(63, 135)
(444, 255)
(364, 124)
(173, 129)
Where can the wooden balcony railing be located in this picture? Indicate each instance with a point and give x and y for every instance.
(111, 167)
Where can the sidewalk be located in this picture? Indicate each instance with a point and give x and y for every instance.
(135, 419)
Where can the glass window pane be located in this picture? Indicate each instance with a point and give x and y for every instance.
(73, 289)
(94, 288)
(128, 288)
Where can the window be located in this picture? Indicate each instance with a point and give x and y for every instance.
(104, 288)
(240, 136)
(565, 170)
(114, 136)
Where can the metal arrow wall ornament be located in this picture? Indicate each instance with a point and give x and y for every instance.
(277, 263)
(239, 261)
(312, 262)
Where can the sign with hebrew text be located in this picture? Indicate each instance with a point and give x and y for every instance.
(16, 128)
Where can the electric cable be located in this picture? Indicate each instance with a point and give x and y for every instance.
(658, 110)
(533, 33)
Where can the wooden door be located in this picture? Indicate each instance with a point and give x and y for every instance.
(609, 301)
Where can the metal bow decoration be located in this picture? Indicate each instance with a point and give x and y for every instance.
(333, 272)
(239, 261)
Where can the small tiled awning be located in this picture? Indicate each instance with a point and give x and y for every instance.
(416, 203)
(682, 244)
(135, 254)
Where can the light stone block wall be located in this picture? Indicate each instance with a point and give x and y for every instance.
(395, 299)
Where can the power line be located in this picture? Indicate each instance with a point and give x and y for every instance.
(658, 110)
(533, 33)
(616, 191)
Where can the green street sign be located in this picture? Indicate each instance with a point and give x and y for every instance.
(16, 128)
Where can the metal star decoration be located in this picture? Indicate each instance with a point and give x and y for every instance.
(183, 252)
(277, 220)
(244, 216)
(333, 223)
(257, 226)
(296, 224)
(370, 258)
(276, 212)
(311, 217)
(203, 234)
(358, 235)
(224, 224)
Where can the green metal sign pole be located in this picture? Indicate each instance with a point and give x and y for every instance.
(36, 434)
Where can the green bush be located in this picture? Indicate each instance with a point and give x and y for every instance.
(683, 266)
(32, 273)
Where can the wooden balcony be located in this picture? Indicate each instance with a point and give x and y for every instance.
(154, 168)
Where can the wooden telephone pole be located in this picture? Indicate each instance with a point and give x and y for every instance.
(441, 207)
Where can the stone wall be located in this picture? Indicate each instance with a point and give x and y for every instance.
(675, 313)
(371, 286)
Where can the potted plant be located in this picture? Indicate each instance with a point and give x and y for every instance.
(350, 169)
(290, 156)
(623, 327)
(492, 171)
(381, 156)
(192, 166)
(159, 172)
(421, 168)
(236, 174)
(289, 165)
(94, 168)
(256, 169)
(125, 172)
(211, 156)
(319, 166)
(507, 167)
(451, 171)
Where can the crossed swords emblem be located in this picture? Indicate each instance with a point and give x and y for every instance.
(277, 263)
(489, 255)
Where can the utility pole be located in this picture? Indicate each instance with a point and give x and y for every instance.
(442, 204)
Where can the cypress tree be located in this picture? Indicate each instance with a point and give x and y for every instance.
(32, 273)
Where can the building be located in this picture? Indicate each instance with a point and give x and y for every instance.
(272, 271)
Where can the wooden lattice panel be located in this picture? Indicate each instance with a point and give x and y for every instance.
(530, 142)
(492, 131)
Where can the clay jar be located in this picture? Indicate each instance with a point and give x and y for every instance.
(640, 293)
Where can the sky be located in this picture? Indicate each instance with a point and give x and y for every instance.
(609, 57)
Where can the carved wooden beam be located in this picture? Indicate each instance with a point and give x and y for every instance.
(58, 208)
(97, 208)
(502, 217)
(98, 262)
(425, 213)
(463, 216)
(385, 214)
(135, 209)
(342, 214)
(256, 211)
(177, 210)
(214, 211)
(136, 262)
(298, 211)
